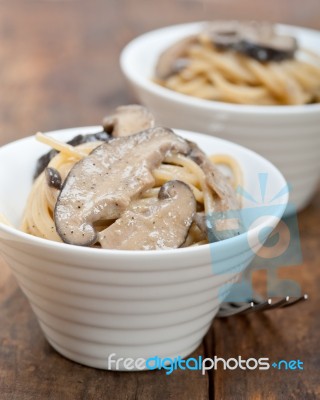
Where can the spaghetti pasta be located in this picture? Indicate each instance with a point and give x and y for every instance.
(38, 219)
(222, 73)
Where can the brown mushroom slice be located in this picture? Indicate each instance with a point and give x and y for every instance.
(200, 221)
(53, 178)
(215, 179)
(261, 42)
(154, 224)
(101, 186)
(223, 34)
(170, 61)
(264, 45)
(225, 204)
(128, 120)
(256, 40)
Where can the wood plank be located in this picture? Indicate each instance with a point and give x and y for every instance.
(59, 68)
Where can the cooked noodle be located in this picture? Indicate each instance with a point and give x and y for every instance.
(228, 76)
(38, 219)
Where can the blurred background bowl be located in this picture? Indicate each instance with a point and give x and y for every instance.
(91, 303)
(288, 136)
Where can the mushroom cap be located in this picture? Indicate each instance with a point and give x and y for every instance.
(156, 223)
(53, 178)
(225, 205)
(256, 40)
(128, 120)
(224, 34)
(102, 185)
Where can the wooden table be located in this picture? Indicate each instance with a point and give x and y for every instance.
(59, 68)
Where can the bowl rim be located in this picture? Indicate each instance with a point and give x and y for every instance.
(208, 105)
(171, 253)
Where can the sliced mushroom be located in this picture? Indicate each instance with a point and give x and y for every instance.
(173, 59)
(256, 40)
(223, 34)
(215, 180)
(225, 206)
(276, 48)
(44, 160)
(128, 120)
(154, 224)
(201, 222)
(101, 186)
(260, 41)
(53, 178)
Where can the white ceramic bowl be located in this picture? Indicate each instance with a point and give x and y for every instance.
(288, 136)
(91, 302)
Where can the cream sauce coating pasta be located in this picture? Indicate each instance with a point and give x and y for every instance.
(38, 219)
(212, 73)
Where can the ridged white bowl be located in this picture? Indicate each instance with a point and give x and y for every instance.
(91, 303)
(288, 136)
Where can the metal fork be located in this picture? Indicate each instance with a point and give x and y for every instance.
(257, 304)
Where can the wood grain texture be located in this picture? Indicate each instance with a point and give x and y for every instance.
(59, 68)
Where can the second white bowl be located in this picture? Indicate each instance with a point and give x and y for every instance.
(288, 136)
